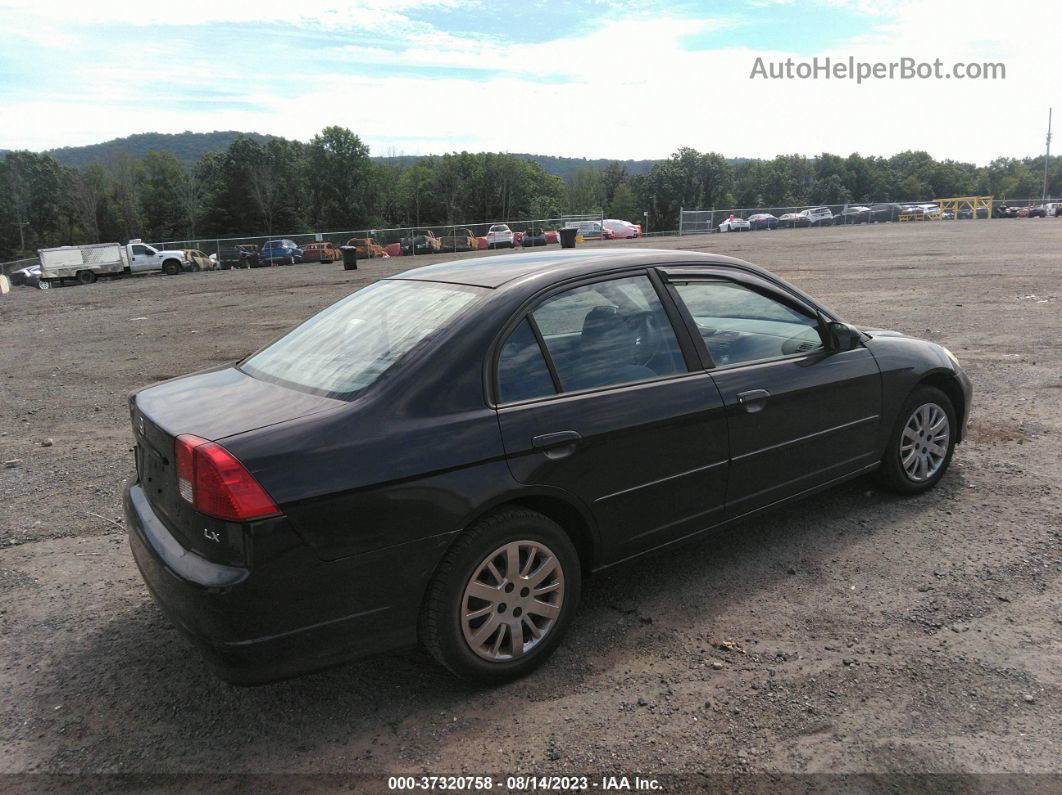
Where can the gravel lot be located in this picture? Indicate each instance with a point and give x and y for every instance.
(855, 632)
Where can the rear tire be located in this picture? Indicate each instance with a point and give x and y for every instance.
(86, 277)
(454, 620)
(922, 442)
(171, 268)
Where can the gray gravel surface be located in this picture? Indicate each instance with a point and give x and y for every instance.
(854, 632)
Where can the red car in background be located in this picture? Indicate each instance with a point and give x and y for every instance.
(621, 230)
(393, 249)
(552, 236)
(321, 252)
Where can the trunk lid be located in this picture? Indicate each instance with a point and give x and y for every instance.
(212, 405)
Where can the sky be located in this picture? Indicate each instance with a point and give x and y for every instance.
(579, 78)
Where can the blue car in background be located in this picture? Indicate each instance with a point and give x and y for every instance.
(280, 252)
(762, 221)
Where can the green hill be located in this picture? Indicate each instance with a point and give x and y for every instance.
(190, 147)
(187, 147)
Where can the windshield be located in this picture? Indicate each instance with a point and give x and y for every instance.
(344, 349)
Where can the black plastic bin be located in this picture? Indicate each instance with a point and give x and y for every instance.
(567, 237)
(350, 258)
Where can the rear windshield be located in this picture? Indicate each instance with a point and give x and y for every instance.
(344, 349)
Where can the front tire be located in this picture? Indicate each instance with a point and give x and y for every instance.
(922, 443)
(502, 598)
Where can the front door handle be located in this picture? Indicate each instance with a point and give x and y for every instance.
(754, 400)
(556, 445)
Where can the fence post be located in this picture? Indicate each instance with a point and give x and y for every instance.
(682, 213)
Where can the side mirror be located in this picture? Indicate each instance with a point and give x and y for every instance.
(843, 337)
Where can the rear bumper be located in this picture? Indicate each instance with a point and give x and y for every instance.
(290, 615)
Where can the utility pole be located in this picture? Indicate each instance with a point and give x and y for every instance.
(1047, 157)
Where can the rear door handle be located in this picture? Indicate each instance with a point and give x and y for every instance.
(556, 445)
(548, 440)
(754, 400)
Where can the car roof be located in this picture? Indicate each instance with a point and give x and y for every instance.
(498, 270)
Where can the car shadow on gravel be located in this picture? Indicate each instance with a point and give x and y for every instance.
(135, 696)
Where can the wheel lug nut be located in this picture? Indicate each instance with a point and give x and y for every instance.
(524, 592)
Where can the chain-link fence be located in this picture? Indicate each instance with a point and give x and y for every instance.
(7, 268)
(405, 241)
(699, 222)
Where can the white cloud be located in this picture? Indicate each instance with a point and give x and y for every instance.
(624, 87)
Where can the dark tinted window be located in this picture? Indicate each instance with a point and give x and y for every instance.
(739, 324)
(606, 333)
(522, 370)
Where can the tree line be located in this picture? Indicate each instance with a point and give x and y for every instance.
(281, 186)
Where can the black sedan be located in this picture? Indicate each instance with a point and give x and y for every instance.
(535, 238)
(444, 455)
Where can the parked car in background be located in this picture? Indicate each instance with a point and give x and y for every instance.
(885, 213)
(367, 247)
(283, 523)
(499, 236)
(241, 255)
(852, 215)
(393, 249)
(28, 277)
(792, 220)
(199, 260)
(762, 221)
(553, 236)
(1037, 212)
(818, 216)
(535, 238)
(321, 251)
(280, 252)
(458, 240)
(622, 230)
(1004, 211)
(421, 241)
(482, 243)
(735, 224)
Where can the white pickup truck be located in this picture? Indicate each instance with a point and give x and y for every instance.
(86, 263)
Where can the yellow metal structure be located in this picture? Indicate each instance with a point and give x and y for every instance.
(971, 203)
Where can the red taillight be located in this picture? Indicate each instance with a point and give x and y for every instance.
(217, 484)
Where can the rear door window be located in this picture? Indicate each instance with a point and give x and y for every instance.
(608, 333)
(522, 370)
